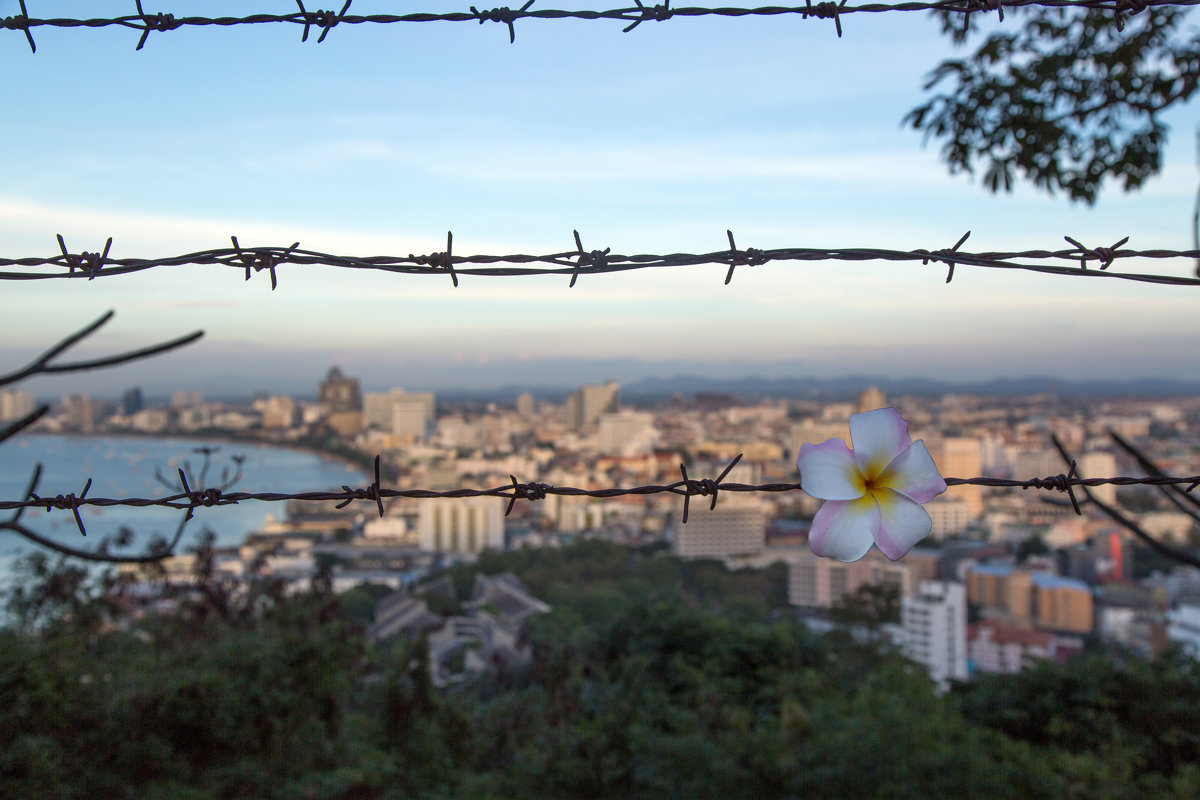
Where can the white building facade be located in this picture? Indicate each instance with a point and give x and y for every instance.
(461, 525)
(935, 629)
(730, 529)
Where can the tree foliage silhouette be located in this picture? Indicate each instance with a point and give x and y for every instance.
(1067, 100)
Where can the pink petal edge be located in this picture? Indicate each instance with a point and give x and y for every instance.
(845, 529)
(828, 471)
(914, 473)
(902, 524)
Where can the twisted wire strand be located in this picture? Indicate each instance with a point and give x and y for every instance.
(323, 20)
(687, 487)
(1085, 261)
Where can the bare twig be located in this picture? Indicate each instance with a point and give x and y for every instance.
(1173, 493)
(42, 366)
(155, 552)
(186, 475)
(24, 422)
(1182, 556)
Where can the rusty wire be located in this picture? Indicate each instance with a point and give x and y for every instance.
(574, 263)
(325, 20)
(687, 487)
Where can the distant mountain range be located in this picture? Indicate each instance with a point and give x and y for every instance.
(848, 388)
(553, 378)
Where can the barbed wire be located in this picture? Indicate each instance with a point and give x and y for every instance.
(687, 487)
(325, 20)
(574, 263)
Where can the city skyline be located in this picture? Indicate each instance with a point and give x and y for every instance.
(642, 142)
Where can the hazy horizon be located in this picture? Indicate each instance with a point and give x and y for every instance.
(161, 377)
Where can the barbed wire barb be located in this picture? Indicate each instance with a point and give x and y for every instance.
(945, 256)
(155, 551)
(1105, 255)
(980, 5)
(42, 365)
(155, 22)
(826, 10)
(750, 257)
(324, 19)
(503, 14)
(658, 13)
(595, 259)
(21, 23)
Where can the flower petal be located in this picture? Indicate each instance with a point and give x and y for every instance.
(902, 523)
(914, 473)
(878, 436)
(828, 471)
(845, 529)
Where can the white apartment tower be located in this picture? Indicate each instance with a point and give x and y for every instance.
(935, 629)
(585, 406)
(461, 525)
(731, 529)
(14, 403)
(399, 412)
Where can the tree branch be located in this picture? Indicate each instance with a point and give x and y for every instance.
(42, 365)
(1182, 556)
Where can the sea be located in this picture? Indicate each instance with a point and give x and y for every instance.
(130, 466)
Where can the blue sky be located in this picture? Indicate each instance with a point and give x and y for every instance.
(382, 138)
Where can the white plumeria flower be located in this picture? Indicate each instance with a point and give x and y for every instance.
(875, 491)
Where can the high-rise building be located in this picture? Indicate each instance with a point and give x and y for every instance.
(340, 403)
(935, 630)
(461, 525)
(960, 457)
(628, 433)
(525, 404)
(278, 411)
(1063, 604)
(1099, 464)
(870, 399)
(586, 406)
(1026, 599)
(15, 404)
(337, 393)
(132, 401)
(78, 411)
(1183, 628)
(949, 517)
(1004, 590)
(399, 412)
(186, 398)
(817, 582)
(996, 648)
(736, 527)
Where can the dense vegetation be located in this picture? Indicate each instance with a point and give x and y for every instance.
(652, 678)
